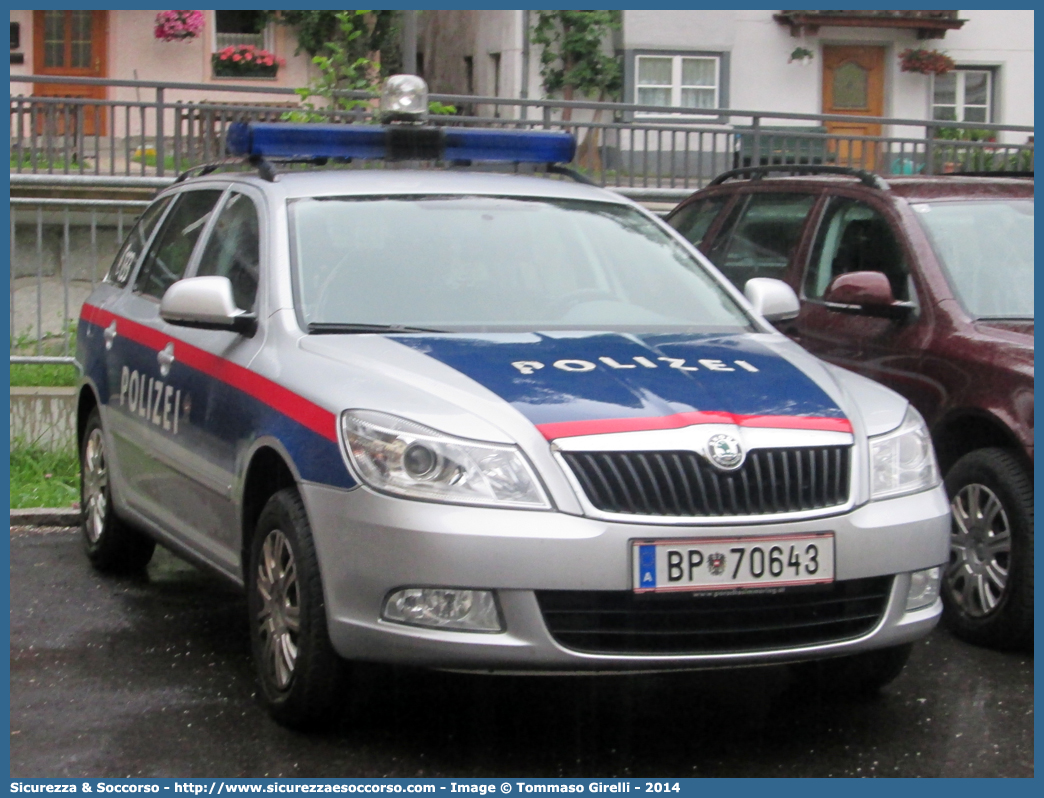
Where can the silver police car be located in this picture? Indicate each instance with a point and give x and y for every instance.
(489, 421)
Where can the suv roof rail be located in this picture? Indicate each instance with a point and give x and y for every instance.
(757, 172)
(995, 173)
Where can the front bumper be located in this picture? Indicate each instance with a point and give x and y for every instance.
(370, 544)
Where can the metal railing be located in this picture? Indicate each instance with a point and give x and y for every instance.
(60, 249)
(620, 144)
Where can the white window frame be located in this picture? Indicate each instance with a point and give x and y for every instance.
(676, 84)
(960, 73)
(268, 35)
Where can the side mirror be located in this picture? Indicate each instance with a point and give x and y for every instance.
(206, 303)
(773, 299)
(868, 293)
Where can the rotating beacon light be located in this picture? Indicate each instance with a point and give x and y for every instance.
(404, 99)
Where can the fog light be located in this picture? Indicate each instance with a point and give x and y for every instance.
(444, 608)
(924, 588)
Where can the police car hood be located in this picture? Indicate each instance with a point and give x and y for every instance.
(567, 384)
(581, 384)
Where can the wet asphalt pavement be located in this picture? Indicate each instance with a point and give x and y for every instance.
(151, 677)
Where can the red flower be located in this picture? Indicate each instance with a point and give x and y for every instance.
(246, 60)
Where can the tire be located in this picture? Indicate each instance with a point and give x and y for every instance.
(111, 544)
(858, 674)
(988, 585)
(301, 675)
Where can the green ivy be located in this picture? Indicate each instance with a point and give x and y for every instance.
(573, 60)
(340, 70)
(316, 29)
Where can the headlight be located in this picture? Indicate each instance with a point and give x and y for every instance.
(398, 456)
(903, 461)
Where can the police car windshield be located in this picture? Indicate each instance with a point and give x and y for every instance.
(493, 263)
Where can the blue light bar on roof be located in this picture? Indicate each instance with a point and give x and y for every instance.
(276, 140)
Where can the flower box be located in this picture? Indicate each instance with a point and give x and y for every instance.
(925, 62)
(245, 61)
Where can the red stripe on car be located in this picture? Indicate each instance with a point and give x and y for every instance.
(570, 429)
(251, 383)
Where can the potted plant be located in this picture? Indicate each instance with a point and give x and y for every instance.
(925, 62)
(802, 55)
(967, 158)
(178, 26)
(245, 61)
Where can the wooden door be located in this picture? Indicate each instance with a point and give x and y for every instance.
(853, 85)
(72, 43)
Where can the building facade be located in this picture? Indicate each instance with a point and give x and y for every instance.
(122, 45)
(700, 60)
(744, 60)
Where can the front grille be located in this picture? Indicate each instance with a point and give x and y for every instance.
(621, 622)
(685, 484)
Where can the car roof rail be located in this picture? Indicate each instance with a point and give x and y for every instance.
(572, 174)
(202, 169)
(868, 179)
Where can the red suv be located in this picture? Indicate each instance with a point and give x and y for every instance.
(924, 284)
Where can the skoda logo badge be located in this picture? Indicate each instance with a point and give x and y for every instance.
(725, 452)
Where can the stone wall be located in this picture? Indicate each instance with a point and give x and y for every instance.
(44, 417)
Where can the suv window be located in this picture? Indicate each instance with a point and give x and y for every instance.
(233, 249)
(170, 252)
(853, 237)
(762, 240)
(694, 220)
(123, 265)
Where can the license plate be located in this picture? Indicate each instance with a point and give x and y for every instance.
(725, 563)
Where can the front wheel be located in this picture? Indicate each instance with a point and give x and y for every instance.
(111, 544)
(300, 673)
(988, 584)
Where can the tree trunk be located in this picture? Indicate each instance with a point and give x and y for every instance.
(567, 113)
(588, 155)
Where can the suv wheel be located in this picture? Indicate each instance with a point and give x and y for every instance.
(300, 673)
(988, 585)
(111, 544)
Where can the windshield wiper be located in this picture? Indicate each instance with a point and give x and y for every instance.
(336, 328)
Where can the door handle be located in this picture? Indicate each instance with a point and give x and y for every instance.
(166, 358)
(110, 335)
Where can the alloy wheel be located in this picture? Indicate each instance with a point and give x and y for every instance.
(95, 484)
(279, 617)
(980, 550)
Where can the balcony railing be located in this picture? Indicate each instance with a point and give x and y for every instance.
(161, 135)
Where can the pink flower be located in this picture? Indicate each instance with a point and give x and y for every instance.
(250, 59)
(172, 26)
